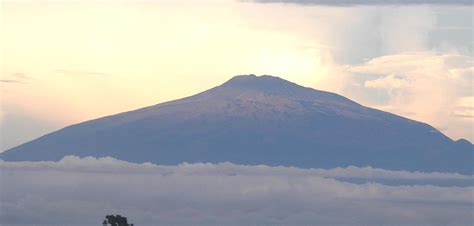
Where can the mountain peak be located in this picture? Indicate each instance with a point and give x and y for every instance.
(275, 86)
(264, 82)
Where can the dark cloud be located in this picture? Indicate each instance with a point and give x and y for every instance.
(368, 2)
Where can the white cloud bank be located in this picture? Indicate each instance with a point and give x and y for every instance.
(83, 191)
(425, 86)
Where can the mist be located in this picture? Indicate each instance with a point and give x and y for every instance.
(81, 191)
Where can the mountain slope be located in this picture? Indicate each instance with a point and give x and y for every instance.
(258, 120)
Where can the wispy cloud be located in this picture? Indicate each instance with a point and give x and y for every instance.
(368, 2)
(464, 107)
(77, 190)
(79, 73)
(10, 81)
(464, 113)
(22, 76)
(16, 78)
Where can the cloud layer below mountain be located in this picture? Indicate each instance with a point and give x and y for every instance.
(82, 191)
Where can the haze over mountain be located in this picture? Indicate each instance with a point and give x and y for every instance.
(258, 120)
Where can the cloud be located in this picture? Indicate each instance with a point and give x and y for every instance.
(369, 2)
(78, 73)
(10, 81)
(77, 190)
(16, 78)
(111, 165)
(389, 82)
(21, 76)
(425, 86)
(464, 107)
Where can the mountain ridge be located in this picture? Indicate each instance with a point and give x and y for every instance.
(258, 120)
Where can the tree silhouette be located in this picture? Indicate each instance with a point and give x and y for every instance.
(116, 220)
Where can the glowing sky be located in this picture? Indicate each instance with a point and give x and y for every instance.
(64, 62)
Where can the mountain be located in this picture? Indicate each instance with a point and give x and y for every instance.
(258, 120)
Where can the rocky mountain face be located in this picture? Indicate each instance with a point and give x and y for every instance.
(258, 120)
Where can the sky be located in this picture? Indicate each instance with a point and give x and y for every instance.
(81, 191)
(68, 61)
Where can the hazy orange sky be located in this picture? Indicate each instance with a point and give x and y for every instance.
(64, 62)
